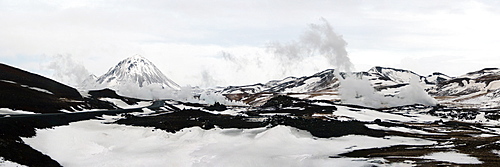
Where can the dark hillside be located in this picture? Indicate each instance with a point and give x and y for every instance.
(22, 77)
(22, 90)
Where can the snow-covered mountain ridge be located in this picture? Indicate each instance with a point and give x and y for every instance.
(378, 76)
(475, 89)
(483, 84)
(483, 80)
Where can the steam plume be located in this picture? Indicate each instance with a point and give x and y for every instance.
(67, 70)
(319, 39)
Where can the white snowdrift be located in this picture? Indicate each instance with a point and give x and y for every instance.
(8, 111)
(454, 157)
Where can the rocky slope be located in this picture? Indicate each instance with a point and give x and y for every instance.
(475, 89)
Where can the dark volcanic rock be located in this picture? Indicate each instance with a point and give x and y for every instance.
(176, 121)
(454, 113)
(17, 151)
(21, 90)
(326, 128)
(22, 77)
(12, 147)
(280, 101)
(216, 107)
(189, 118)
(294, 106)
(112, 94)
(16, 97)
(459, 81)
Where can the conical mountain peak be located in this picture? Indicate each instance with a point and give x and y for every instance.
(136, 69)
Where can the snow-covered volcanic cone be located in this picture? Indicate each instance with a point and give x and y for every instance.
(138, 70)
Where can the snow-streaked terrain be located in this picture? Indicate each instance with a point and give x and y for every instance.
(382, 117)
(103, 142)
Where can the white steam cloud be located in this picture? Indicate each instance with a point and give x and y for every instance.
(207, 79)
(69, 71)
(318, 48)
(319, 39)
(359, 91)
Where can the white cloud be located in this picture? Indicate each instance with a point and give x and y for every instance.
(185, 38)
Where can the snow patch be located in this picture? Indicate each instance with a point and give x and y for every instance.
(26, 86)
(8, 111)
(497, 152)
(401, 129)
(6, 163)
(38, 89)
(367, 115)
(147, 111)
(453, 157)
(494, 85)
(12, 82)
(124, 105)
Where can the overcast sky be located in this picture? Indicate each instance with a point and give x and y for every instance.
(207, 43)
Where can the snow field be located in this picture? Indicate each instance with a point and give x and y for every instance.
(92, 143)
